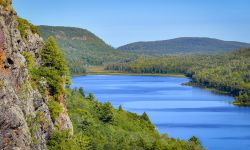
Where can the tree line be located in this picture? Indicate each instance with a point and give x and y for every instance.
(225, 72)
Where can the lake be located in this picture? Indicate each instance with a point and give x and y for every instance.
(180, 111)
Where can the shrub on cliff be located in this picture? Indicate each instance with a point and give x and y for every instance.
(53, 71)
(24, 26)
(29, 59)
(55, 109)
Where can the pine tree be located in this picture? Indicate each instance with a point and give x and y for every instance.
(145, 116)
(54, 67)
(53, 57)
(120, 108)
(195, 140)
(91, 96)
(81, 91)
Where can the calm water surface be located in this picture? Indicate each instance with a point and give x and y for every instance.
(180, 111)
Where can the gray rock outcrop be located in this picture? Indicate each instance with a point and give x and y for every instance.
(25, 121)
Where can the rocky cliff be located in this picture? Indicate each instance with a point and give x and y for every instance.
(25, 119)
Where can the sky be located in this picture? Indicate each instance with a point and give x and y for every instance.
(120, 22)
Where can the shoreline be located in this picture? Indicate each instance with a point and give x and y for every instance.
(235, 102)
(130, 74)
(100, 70)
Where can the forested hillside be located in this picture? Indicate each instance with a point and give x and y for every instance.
(185, 45)
(82, 48)
(226, 72)
(98, 126)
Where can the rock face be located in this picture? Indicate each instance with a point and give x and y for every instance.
(25, 121)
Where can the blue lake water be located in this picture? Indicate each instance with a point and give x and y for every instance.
(180, 111)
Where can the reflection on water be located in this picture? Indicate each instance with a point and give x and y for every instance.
(180, 111)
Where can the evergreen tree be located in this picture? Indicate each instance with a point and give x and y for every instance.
(53, 57)
(91, 96)
(106, 113)
(54, 67)
(145, 116)
(120, 108)
(195, 140)
(81, 91)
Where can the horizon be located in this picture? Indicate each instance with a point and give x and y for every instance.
(121, 23)
(151, 40)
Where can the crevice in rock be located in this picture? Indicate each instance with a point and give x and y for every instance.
(10, 61)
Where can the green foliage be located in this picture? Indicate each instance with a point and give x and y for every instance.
(81, 91)
(33, 71)
(226, 72)
(120, 108)
(24, 26)
(53, 79)
(54, 108)
(53, 67)
(52, 76)
(243, 99)
(53, 71)
(195, 140)
(52, 57)
(91, 96)
(126, 131)
(105, 127)
(82, 48)
(64, 140)
(185, 45)
(29, 59)
(106, 113)
(145, 116)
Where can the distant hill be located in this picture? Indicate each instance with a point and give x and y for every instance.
(82, 48)
(184, 45)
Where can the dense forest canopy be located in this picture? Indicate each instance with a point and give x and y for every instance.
(184, 45)
(82, 48)
(225, 72)
(99, 126)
